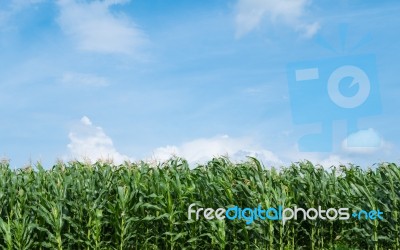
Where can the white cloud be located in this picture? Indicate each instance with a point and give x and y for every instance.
(95, 28)
(263, 155)
(332, 160)
(237, 149)
(250, 13)
(203, 150)
(363, 142)
(79, 79)
(88, 142)
(326, 160)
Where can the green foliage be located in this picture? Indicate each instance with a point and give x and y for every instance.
(140, 206)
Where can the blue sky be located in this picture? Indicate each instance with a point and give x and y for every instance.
(147, 79)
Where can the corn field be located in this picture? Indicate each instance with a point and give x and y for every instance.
(141, 206)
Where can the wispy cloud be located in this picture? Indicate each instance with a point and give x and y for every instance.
(88, 142)
(250, 13)
(23, 3)
(204, 149)
(79, 79)
(95, 28)
(9, 9)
